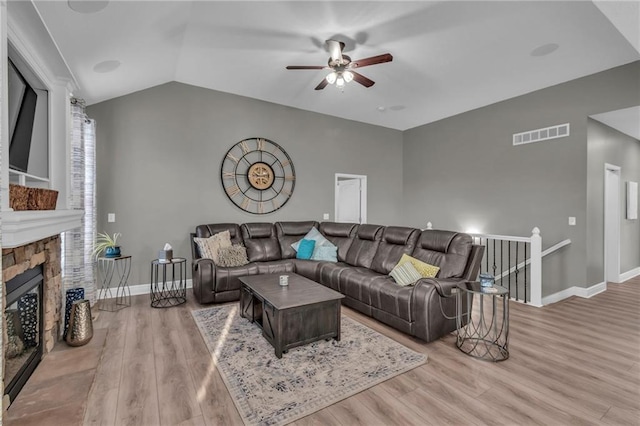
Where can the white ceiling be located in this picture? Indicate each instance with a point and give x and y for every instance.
(449, 57)
(625, 120)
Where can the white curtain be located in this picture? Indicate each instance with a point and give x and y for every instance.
(78, 268)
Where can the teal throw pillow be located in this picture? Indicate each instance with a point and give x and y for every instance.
(305, 249)
(314, 235)
(326, 253)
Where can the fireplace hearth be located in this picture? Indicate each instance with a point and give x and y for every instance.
(23, 327)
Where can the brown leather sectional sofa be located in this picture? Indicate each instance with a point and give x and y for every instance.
(366, 255)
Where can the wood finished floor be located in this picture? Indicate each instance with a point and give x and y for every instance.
(574, 362)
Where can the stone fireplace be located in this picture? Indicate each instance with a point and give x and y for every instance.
(31, 246)
(21, 261)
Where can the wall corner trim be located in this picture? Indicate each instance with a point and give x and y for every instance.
(630, 274)
(575, 291)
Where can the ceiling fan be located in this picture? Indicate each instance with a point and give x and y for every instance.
(342, 67)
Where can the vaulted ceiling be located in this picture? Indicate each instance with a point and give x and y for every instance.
(449, 57)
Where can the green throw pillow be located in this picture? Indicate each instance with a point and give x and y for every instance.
(424, 269)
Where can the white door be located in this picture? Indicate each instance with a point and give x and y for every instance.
(348, 201)
(612, 223)
(351, 198)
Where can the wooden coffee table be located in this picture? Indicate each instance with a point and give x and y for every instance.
(290, 316)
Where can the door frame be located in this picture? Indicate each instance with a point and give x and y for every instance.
(611, 223)
(363, 194)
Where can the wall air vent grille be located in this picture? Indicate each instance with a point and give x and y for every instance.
(538, 135)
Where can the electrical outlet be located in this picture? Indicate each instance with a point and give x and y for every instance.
(325, 216)
(572, 221)
(111, 217)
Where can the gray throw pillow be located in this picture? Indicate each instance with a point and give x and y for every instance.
(236, 255)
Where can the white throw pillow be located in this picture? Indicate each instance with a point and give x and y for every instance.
(209, 247)
(314, 235)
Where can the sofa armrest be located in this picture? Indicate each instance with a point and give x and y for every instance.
(444, 286)
(433, 307)
(203, 274)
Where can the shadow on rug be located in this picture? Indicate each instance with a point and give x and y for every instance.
(271, 391)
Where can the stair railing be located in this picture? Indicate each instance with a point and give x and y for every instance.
(516, 262)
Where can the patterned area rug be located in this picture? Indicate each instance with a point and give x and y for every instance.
(272, 391)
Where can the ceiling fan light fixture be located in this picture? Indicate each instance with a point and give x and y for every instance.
(340, 81)
(348, 76)
(331, 78)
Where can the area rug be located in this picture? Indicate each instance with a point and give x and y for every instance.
(271, 391)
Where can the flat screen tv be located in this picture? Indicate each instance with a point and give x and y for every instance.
(22, 100)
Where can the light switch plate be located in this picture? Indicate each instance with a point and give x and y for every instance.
(111, 217)
(325, 216)
(572, 221)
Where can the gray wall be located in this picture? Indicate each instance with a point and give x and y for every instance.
(159, 153)
(463, 172)
(607, 145)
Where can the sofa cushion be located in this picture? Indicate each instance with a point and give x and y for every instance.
(391, 298)
(364, 245)
(341, 235)
(424, 269)
(446, 249)
(276, 266)
(396, 241)
(307, 268)
(305, 249)
(356, 281)
(226, 279)
(405, 274)
(261, 242)
(329, 274)
(290, 232)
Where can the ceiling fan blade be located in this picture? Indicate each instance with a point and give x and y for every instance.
(322, 84)
(380, 59)
(306, 67)
(335, 49)
(366, 82)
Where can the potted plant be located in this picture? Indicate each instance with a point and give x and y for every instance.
(107, 244)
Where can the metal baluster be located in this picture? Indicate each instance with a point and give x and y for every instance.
(486, 254)
(516, 277)
(494, 258)
(525, 272)
(509, 265)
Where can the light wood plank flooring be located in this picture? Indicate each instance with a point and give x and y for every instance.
(574, 362)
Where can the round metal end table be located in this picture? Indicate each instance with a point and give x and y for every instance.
(482, 320)
(168, 282)
(108, 267)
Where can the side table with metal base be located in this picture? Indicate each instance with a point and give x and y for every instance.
(168, 282)
(108, 267)
(482, 320)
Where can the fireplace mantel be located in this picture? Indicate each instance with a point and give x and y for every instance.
(24, 227)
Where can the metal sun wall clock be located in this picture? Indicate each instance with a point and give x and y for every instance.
(257, 175)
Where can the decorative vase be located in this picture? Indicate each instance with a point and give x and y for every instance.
(80, 326)
(72, 294)
(113, 251)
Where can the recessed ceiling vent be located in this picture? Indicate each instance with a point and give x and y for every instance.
(553, 132)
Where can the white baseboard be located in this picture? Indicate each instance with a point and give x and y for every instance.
(630, 274)
(575, 291)
(139, 289)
